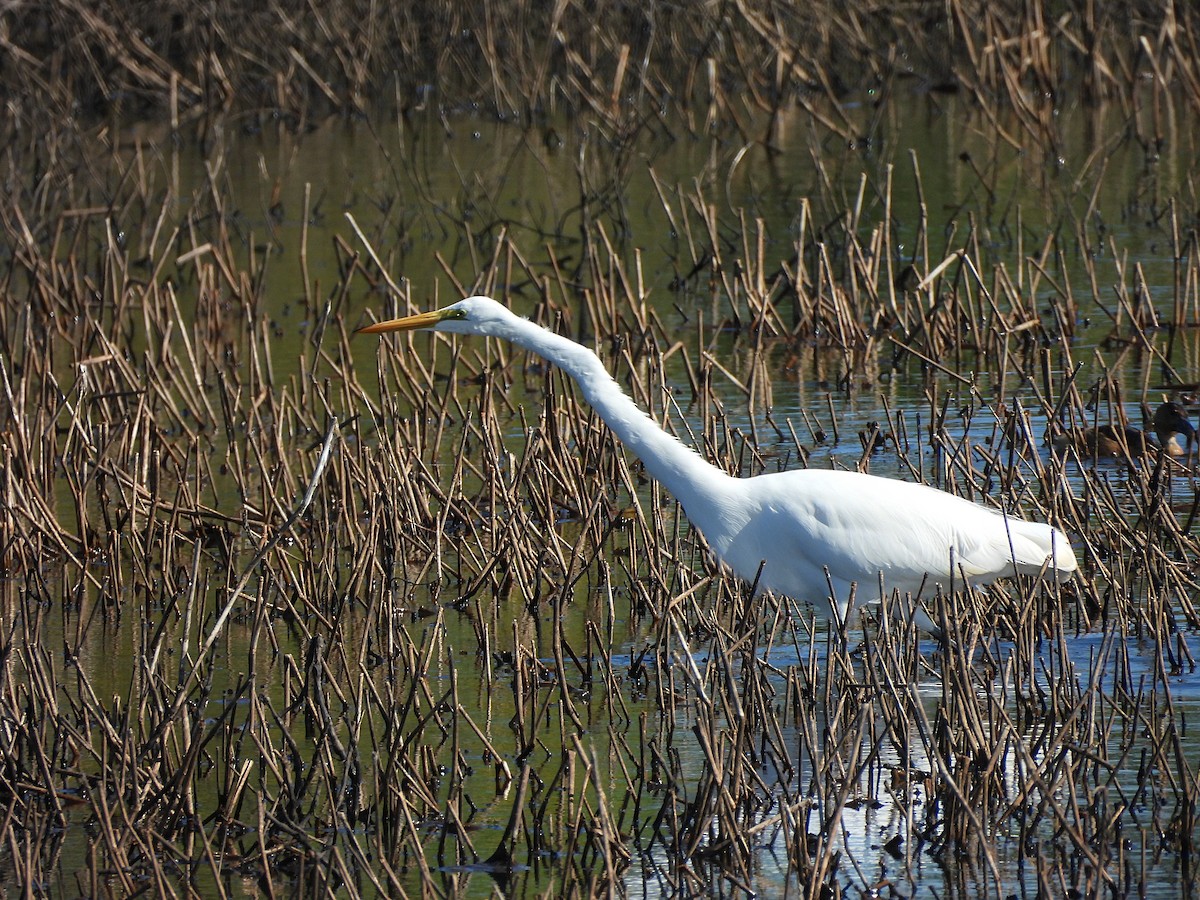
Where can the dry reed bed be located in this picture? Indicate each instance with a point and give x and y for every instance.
(714, 63)
(366, 613)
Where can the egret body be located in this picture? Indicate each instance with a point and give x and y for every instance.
(817, 535)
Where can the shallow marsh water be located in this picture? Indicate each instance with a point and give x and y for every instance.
(435, 196)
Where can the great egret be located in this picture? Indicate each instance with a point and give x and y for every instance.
(1170, 422)
(817, 535)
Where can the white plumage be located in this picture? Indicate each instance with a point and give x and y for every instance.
(798, 532)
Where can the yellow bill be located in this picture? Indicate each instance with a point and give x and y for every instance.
(409, 323)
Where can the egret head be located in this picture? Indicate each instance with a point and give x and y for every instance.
(475, 315)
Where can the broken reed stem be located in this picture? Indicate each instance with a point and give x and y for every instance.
(214, 632)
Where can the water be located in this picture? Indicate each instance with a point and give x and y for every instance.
(434, 194)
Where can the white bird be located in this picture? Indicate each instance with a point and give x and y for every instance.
(817, 535)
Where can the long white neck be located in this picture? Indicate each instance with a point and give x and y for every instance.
(680, 469)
